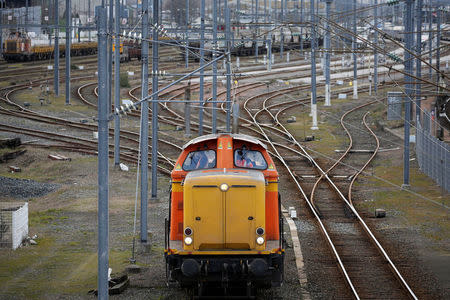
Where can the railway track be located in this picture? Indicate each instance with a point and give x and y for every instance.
(354, 252)
(127, 136)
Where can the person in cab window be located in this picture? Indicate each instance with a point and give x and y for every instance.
(202, 160)
(199, 160)
(243, 160)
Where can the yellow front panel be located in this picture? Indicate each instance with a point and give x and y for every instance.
(225, 219)
(207, 217)
(240, 218)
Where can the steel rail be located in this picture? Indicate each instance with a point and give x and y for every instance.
(84, 149)
(367, 230)
(368, 161)
(338, 161)
(319, 221)
(361, 221)
(59, 121)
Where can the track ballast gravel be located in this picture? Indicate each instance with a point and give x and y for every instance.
(24, 188)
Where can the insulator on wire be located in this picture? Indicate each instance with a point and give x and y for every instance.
(124, 109)
(158, 73)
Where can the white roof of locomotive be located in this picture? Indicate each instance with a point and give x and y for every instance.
(234, 136)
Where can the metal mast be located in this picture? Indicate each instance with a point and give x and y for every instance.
(202, 62)
(56, 51)
(68, 46)
(103, 171)
(327, 56)
(418, 61)
(313, 70)
(214, 67)
(117, 85)
(375, 51)
(155, 60)
(408, 89)
(144, 123)
(355, 58)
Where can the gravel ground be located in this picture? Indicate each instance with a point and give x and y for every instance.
(24, 188)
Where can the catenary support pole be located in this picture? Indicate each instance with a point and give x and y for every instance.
(236, 117)
(89, 19)
(155, 61)
(408, 88)
(281, 31)
(301, 25)
(430, 43)
(238, 15)
(103, 171)
(269, 39)
(186, 35)
(228, 67)
(327, 56)
(117, 85)
(438, 45)
(265, 11)
(68, 46)
(355, 57)
(144, 123)
(2, 4)
(313, 70)
(256, 11)
(56, 51)
(202, 62)
(187, 110)
(110, 56)
(26, 16)
(375, 51)
(418, 61)
(214, 68)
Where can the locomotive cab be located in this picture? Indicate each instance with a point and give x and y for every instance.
(224, 226)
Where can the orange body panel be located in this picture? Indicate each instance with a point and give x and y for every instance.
(176, 212)
(272, 222)
(225, 152)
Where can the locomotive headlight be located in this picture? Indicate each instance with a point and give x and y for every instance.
(188, 240)
(260, 240)
(224, 187)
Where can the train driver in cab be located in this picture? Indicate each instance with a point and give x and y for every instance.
(203, 159)
(245, 158)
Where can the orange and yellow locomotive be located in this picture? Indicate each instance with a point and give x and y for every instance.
(17, 47)
(225, 226)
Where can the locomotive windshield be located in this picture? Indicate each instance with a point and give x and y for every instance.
(203, 159)
(252, 159)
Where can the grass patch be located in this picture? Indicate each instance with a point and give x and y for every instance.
(52, 268)
(50, 216)
(124, 80)
(325, 140)
(429, 218)
(57, 104)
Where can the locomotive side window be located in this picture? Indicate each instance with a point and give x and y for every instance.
(203, 159)
(252, 159)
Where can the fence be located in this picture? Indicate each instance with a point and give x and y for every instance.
(432, 154)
